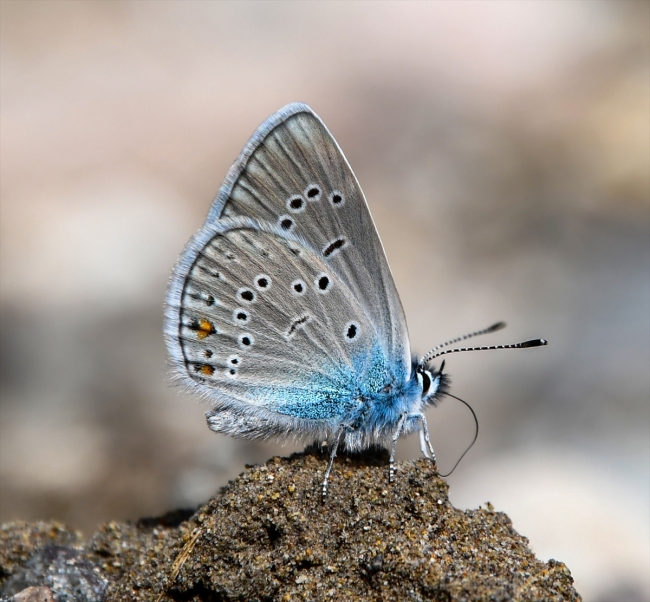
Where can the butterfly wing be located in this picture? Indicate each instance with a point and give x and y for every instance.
(269, 332)
(282, 309)
(293, 173)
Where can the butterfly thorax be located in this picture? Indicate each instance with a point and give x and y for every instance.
(375, 412)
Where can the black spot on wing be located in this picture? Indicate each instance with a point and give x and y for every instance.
(298, 287)
(246, 295)
(337, 199)
(245, 340)
(262, 282)
(285, 223)
(322, 283)
(313, 192)
(296, 204)
(351, 331)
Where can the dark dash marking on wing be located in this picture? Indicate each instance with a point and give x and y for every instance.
(334, 246)
(297, 323)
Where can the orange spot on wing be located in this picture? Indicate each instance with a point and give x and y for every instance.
(207, 370)
(205, 329)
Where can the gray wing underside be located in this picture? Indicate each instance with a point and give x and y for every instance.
(300, 370)
(290, 154)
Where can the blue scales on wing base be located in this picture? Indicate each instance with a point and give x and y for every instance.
(374, 391)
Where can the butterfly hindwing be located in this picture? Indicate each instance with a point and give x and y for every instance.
(265, 322)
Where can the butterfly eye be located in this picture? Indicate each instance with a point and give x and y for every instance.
(323, 283)
(262, 282)
(337, 199)
(246, 295)
(351, 331)
(246, 340)
(285, 223)
(241, 316)
(298, 288)
(313, 192)
(426, 381)
(296, 204)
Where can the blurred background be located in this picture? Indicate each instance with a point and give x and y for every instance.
(504, 148)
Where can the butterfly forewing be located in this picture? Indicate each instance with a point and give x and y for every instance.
(293, 173)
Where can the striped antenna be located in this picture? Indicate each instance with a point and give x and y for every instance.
(431, 354)
(524, 345)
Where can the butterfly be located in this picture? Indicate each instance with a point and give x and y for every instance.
(282, 310)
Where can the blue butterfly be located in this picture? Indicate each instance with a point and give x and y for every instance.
(282, 310)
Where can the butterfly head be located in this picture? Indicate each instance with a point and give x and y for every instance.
(433, 383)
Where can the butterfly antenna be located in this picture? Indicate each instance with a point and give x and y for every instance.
(524, 345)
(430, 355)
(473, 440)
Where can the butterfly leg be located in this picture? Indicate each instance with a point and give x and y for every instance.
(425, 431)
(391, 461)
(423, 444)
(337, 441)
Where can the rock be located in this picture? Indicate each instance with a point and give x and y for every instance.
(34, 594)
(268, 536)
(44, 561)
